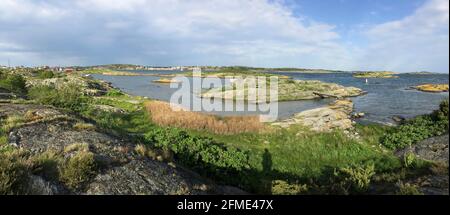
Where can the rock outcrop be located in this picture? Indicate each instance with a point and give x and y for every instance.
(334, 116)
(88, 86)
(432, 149)
(122, 171)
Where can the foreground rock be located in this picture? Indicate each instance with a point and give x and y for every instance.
(334, 116)
(432, 149)
(121, 170)
(435, 150)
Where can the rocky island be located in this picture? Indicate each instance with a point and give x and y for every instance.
(166, 81)
(384, 74)
(288, 90)
(432, 88)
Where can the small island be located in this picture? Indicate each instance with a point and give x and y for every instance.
(432, 88)
(243, 72)
(166, 81)
(420, 73)
(375, 74)
(288, 90)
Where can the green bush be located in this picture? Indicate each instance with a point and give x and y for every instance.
(46, 164)
(408, 189)
(200, 152)
(280, 187)
(353, 179)
(13, 173)
(68, 97)
(418, 129)
(78, 169)
(45, 74)
(14, 83)
(114, 93)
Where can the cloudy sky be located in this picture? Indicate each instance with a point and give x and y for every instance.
(400, 35)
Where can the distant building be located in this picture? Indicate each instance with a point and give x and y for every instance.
(68, 70)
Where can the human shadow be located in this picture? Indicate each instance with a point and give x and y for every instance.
(267, 172)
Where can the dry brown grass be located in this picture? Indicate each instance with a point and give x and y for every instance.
(162, 114)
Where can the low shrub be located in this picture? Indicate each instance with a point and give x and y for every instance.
(80, 126)
(68, 97)
(14, 83)
(11, 122)
(114, 93)
(409, 159)
(46, 164)
(407, 189)
(141, 150)
(13, 173)
(77, 147)
(419, 128)
(78, 169)
(353, 179)
(45, 74)
(198, 152)
(280, 187)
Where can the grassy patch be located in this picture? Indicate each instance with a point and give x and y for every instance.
(11, 122)
(80, 126)
(299, 156)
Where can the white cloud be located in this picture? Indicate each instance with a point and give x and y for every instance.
(414, 43)
(91, 28)
(25, 10)
(214, 32)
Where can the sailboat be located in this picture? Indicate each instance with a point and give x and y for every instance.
(367, 81)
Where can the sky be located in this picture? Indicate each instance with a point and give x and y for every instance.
(352, 35)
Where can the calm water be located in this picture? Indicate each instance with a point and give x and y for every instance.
(385, 98)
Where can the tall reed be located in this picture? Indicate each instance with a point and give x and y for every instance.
(162, 114)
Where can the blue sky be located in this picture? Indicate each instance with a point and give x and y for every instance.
(399, 35)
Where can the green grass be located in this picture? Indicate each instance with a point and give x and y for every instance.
(307, 155)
